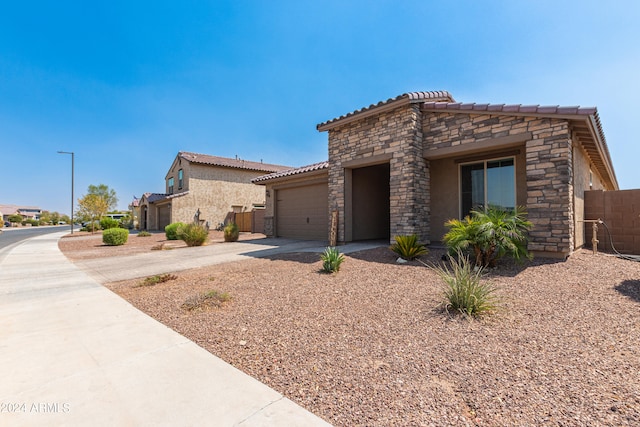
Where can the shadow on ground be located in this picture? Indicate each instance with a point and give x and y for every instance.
(630, 288)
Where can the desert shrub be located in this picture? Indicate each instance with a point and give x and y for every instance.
(211, 298)
(144, 233)
(408, 247)
(489, 235)
(154, 280)
(171, 230)
(331, 260)
(193, 234)
(465, 291)
(231, 232)
(115, 236)
(107, 223)
(91, 226)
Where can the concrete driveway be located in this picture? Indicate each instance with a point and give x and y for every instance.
(113, 269)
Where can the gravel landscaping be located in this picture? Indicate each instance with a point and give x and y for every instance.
(372, 344)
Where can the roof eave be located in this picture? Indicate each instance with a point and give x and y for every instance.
(603, 151)
(302, 175)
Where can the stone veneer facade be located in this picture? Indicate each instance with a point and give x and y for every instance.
(405, 137)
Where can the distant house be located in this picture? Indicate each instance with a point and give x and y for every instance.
(204, 187)
(408, 164)
(26, 212)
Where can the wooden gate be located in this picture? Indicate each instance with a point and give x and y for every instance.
(620, 210)
(243, 220)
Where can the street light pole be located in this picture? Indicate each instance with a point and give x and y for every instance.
(72, 168)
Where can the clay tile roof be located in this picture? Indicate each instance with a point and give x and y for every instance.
(295, 171)
(410, 97)
(205, 159)
(511, 108)
(154, 197)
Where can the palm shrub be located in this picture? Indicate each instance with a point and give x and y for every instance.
(489, 235)
(171, 230)
(231, 232)
(408, 247)
(331, 260)
(115, 236)
(193, 234)
(465, 291)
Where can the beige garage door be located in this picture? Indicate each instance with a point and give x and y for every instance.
(302, 212)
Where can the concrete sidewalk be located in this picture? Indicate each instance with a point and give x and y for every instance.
(74, 353)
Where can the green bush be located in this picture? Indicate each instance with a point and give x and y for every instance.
(490, 235)
(107, 223)
(331, 260)
(193, 234)
(91, 226)
(144, 233)
(408, 247)
(15, 218)
(231, 232)
(465, 291)
(115, 236)
(171, 230)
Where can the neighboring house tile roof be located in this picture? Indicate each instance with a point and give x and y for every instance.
(585, 122)
(289, 172)
(158, 197)
(206, 159)
(405, 98)
(154, 197)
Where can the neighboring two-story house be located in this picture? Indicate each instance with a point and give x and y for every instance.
(204, 187)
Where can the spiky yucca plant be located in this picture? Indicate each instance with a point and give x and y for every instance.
(490, 235)
(408, 247)
(465, 291)
(331, 260)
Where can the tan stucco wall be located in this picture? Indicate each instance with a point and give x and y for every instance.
(215, 191)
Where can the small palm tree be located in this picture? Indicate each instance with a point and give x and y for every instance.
(490, 234)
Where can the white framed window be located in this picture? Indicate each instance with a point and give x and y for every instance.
(487, 183)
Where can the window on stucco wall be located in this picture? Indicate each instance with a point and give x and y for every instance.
(170, 185)
(180, 179)
(487, 183)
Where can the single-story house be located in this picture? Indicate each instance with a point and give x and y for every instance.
(408, 164)
(204, 187)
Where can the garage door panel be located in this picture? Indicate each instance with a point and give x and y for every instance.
(302, 212)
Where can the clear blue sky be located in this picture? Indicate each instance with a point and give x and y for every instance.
(128, 84)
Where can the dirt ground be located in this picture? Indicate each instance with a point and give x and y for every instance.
(373, 346)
